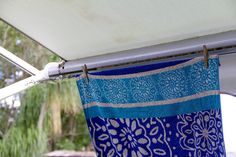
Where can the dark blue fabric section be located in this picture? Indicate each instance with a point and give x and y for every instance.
(137, 69)
(197, 134)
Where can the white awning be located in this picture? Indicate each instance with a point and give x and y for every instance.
(82, 30)
(76, 29)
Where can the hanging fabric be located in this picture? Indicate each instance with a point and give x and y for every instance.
(171, 111)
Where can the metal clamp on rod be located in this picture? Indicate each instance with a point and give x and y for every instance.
(206, 56)
(85, 72)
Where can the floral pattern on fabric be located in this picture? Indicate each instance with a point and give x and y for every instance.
(143, 89)
(203, 78)
(89, 91)
(172, 84)
(171, 112)
(115, 90)
(166, 85)
(191, 135)
(201, 133)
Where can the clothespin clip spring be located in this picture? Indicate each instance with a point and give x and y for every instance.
(85, 72)
(206, 56)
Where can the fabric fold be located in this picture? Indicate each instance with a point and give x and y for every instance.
(167, 111)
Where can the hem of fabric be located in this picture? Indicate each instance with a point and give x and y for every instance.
(151, 72)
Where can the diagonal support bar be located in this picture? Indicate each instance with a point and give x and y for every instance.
(18, 61)
(20, 86)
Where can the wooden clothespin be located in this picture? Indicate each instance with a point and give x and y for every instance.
(206, 56)
(85, 72)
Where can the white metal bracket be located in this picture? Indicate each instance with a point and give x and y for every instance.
(18, 61)
(19, 86)
(37, 76)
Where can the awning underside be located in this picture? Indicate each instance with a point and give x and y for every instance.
(83, 28)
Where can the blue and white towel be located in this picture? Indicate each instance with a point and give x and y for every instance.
(172, 112)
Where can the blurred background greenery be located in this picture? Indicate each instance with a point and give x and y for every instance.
(43, 118)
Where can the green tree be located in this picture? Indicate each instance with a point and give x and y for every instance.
(50, 110)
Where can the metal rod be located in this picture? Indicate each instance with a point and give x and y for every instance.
(18, 61)
(188, 47)
(227, 93)
(19, 86)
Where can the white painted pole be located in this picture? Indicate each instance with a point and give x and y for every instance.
(20, 86)
(18, 61)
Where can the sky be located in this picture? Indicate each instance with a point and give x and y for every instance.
(228, 106)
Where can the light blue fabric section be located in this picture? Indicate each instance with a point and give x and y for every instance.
(172, 112)
(170, 84)
(195, 105)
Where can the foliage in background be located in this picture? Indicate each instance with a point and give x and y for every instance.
(7, 116)
(21, 143)
(50, 116)
(30, 107)
(74, 136)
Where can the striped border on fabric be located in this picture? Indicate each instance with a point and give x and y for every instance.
(155, 103)
(124, 96)
(191, 106)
